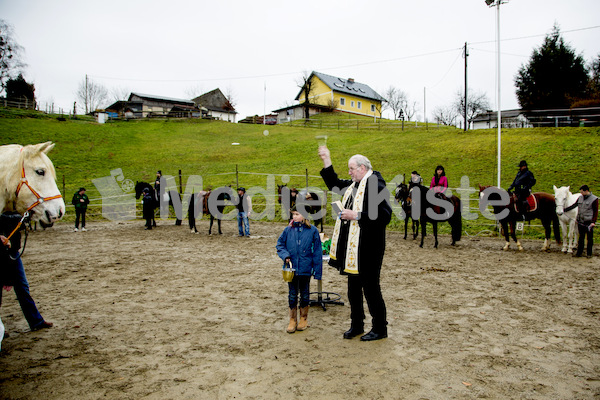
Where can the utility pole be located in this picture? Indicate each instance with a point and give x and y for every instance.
(87, 95)
(425, 107)
(465, 55)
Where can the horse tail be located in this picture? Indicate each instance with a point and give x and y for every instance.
(456, 221)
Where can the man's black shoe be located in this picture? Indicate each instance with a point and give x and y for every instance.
(353, 332)
(373, 336)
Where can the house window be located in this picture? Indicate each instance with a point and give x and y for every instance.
(342, 101)
(372, 107)
(359, 105)
(352, 103)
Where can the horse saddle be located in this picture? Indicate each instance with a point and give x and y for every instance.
(532, 203)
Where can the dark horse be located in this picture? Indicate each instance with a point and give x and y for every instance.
(402, 193)
(293, 194)
(453, 216)
(545, 210)
(139, 188)
(203, 196)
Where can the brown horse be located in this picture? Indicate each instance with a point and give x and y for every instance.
(431, 212)
(203, 196)
(544, 210)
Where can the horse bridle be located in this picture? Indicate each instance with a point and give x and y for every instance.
(39, 199)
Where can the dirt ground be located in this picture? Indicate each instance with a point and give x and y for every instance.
(165, 314)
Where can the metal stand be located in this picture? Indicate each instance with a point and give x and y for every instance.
(331, 298)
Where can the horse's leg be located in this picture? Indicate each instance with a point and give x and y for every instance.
(513, 231)
(547, 231)
(415, 224)
(569, 245)
(212, 219)
(507, 234)
(406, 227)
(434, 229)
(219, 225)
(566, 235)
(423, 226)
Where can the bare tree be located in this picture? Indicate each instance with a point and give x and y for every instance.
(230, 96)
(194, 91)
(410, 109)
(91, 94)
(477, 102)
(120, 93)
(445, 115)
(306, 84)
(11, 63)
(395, 100)
(332, 105)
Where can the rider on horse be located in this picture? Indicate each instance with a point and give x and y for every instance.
(522, 185)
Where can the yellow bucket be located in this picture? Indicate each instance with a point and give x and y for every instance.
(288, 274)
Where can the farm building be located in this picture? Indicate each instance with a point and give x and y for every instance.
(217, 105)
(147, 106)
(576, 116)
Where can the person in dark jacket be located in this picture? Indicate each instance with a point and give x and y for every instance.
(147, 208)
(12, 272)
(358, 241)
(244, 207)
(80, 201)
(587, 215)
(522, 185)
(300, 245)
(157, 185)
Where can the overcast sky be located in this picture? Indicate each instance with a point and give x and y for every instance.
(182, 49)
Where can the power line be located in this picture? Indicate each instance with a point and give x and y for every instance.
(337, 67)
(538, 35)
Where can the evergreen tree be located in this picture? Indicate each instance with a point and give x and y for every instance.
(554, 77)
(18, 90)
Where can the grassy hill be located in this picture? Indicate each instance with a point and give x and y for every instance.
(86, 150)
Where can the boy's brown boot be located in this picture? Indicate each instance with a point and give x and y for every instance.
(303, 323)
(293, 320)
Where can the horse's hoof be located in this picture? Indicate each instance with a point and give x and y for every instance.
(421, 245)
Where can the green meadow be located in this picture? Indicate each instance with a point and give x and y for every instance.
(86, 150)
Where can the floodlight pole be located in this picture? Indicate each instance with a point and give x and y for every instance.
(497, 3)
(498, 105)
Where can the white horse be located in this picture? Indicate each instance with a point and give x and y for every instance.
(566, 209)
(28, 183)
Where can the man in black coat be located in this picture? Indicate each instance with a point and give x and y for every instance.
(358, 241)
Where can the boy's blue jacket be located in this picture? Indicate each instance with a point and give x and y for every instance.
(302, 245)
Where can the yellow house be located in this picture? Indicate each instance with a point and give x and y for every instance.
(339, 94)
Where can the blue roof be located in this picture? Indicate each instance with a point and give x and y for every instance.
(346, 86)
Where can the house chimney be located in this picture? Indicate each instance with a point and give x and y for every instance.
(351, 80)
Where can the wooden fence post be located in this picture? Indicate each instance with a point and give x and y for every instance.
(180, 183)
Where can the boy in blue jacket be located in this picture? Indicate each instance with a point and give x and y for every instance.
(300, 244)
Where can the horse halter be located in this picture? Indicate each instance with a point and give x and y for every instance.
(39, 199)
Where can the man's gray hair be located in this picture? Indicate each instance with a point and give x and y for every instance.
(359, 159)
